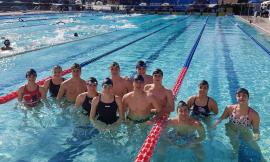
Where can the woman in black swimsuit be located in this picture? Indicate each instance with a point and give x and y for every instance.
(85, 99)
(202, 105)
(106, 105)
(53, 84)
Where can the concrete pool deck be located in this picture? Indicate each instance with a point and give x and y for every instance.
(258, 22)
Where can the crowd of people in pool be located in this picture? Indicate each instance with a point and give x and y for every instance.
(141, 100)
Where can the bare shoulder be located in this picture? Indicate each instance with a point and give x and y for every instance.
(127, 95)
(64, 83)
(212, 101)
(118, 99)
(82, 95)
(21, 88)
(191, 98)
(254, 112)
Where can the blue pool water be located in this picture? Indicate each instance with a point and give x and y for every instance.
(225, 57)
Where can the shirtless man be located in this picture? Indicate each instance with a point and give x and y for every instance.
(189, 132)
(72, 87)
(141, 70)
(139, 103)
(121, 86)
(163, 96)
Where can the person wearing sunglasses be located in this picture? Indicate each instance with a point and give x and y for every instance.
(74, 86)
(139, 104)
(162, 95)
(31, 93)
(53, 84)
(84, 99)
(104, 107)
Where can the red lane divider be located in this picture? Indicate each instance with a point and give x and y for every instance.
(151, 140)
(14, 94)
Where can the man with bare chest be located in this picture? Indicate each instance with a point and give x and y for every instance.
(74, 86)
(162, 95)
(121, 86)
(138, 103)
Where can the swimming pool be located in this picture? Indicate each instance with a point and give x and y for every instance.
(225, 57)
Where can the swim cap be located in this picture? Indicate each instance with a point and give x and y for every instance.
(158, 71)
(92, 80)
(107, 81)
(138, 78)
(242, 90)
(30, 72)
(141, 64)
(76, 35)
(203, 82)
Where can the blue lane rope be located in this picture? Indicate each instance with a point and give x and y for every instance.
(252, 38)
(195, 46)
(114, 50)
(123, 46)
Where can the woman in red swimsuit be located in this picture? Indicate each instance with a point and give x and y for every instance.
(31, 93)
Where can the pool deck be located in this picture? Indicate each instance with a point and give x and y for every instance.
(258, 22)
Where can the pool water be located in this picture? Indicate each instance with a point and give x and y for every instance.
(225, 57)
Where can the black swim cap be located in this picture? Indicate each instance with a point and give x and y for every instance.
(138, 78)
(107, 81)
(30, 72)
(158, 71)
(203, 82)
(243, 90)
(92, 80)
(76, 35)
(141, 64)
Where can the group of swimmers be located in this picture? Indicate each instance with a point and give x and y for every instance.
(140, 99)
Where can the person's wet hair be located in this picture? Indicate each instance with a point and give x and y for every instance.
(203, 82)
(76, 66)
(57, 67)
(140, 64)
(138, 78)
(181, 104)
(158, 71)
(31, 72)
(242, 90)
(7, 42)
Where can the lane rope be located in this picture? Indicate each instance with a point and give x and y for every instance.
(148, 147)
(14, 94)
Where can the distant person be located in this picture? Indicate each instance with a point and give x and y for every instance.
(84, 99)
(76, 35)
(141, 70)
(242, 119)
(139, 105)
(7, 45)
(201, 104)
(162, 95)
(187, 132)
(21, 20)
(74, 86)
(105, 106)
(121, 86)
(31, 93)
(53, 84)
